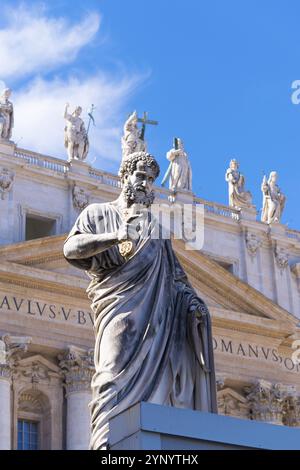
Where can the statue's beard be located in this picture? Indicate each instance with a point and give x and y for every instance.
(137, 195)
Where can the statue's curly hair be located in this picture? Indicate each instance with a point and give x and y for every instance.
(129, 165)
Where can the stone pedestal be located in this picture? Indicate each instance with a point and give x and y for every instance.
(7, 147)
(183, 197)
(77, 166)
(146, 426)
(249, 213)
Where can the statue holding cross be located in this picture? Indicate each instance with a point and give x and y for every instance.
(133, 139)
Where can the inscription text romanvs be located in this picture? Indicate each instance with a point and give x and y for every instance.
(254, 351)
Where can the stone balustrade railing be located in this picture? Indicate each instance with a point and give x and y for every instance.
(105, 178)
(61, 166)
(295, 234)
(37, 159)
(218, 209)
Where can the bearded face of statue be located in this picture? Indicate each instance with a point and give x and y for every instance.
(138, 186)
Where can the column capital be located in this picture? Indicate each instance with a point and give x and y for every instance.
(266, 401)
(292, 411)
(11, 350)
(77, 366)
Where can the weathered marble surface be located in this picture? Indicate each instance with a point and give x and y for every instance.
(76, 139)
(238, 196)
(179, 171)
(153, 334)
(132, 140)
(273, 200)
(6, 115)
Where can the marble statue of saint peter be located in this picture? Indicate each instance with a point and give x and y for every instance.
(153, 332)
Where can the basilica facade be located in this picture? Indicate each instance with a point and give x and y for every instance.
(248, 273)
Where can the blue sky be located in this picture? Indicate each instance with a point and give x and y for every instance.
(217, 73)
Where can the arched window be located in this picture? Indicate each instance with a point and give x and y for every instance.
(34, 421)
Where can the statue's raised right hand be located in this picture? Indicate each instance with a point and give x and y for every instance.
(128, 230)
(122, 233)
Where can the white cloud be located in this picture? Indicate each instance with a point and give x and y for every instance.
(39, 114)
(31, 42)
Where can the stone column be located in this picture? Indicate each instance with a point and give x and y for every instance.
(5, 400)
(292, 407)
(10, 349)
(266, 401)
(295, 268)
(78, 368)
(280, 248)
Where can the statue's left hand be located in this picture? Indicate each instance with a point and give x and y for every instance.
(198, 308)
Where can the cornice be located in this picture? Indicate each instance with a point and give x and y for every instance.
(27, 276)
(251, 324)
(247, 298)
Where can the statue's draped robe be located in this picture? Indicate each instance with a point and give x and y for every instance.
(273, 203)
(77, 135)
(7, 118)
(238, 197)
(149, 347)
(181, 172)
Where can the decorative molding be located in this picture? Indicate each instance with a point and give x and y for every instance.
(232, 403)
(36, 372)
(30, 402)
(281, 257)
(39, 260)
(220, 382)
(77, 365)
(253, 243)
(25, 210)
(12, 348)
(6, 181)
(80, 198)
(292, 411)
